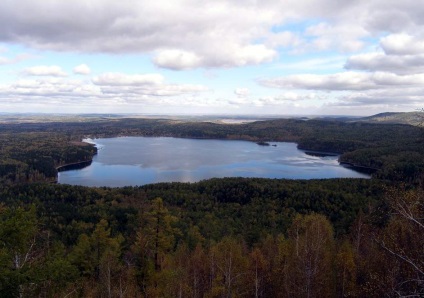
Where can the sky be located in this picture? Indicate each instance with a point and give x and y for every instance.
(268, 57)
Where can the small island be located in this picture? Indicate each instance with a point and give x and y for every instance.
(262, 143)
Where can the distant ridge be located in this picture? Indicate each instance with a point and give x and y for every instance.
(411, 118)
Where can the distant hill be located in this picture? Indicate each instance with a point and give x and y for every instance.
(412, 118)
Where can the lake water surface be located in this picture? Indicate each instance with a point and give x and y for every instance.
(142, 160)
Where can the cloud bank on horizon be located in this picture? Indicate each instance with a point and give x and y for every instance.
(236, 57)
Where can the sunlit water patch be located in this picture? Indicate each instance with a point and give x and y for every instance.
(143, 160)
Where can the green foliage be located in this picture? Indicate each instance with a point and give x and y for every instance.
(35, 156)
(90, 252)
(32, 151)
(202, 239)
(18, 229)
(233, 237)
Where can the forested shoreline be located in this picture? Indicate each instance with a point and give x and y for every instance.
(33, 151)
(229, 237)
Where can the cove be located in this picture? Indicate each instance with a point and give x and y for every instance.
(131, 161)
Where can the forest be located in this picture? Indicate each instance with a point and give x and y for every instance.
(229, 237)
(33, 151)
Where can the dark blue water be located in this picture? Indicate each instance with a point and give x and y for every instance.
(141, 160)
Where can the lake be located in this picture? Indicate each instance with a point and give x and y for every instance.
(130, 161)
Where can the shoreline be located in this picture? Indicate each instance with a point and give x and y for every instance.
(73, 164)
(91, 141)
(87, 141)
(367, 170)
(318, 153)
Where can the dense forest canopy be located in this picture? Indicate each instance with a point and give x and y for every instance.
(230, 237)
(32, 151)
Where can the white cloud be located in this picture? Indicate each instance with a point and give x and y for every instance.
(188, 27)
(353, 81)
(177, 59)
(393, 77)
(290, 98)
(82, 69)
(120, 79)
(391, 16)
(43, 70)
(283, 39)
(253, 54)
(4, 60)
(402, 44)
(399, 54)
(326, 63)
(377, 61)
(217, 56)
(48, 88)
(13, 60)
(133, 92)
(188, 33)
(106, 90)
(241, 92)
(405, 99)
(131, 87)
(345, 37)
(238, 101)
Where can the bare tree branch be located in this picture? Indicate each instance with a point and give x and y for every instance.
(402, 257)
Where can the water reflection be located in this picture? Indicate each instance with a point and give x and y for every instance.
(141, 160)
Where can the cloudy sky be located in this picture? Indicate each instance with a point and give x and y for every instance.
(341, 57)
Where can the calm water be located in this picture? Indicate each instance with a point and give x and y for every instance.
(140, 160)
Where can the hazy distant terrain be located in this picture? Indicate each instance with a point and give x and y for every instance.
(45, 118)
(412, 118)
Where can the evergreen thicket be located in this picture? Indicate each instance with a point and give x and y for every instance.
(230, 237)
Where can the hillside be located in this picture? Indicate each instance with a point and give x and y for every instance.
(229, 237)
(411, 118)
